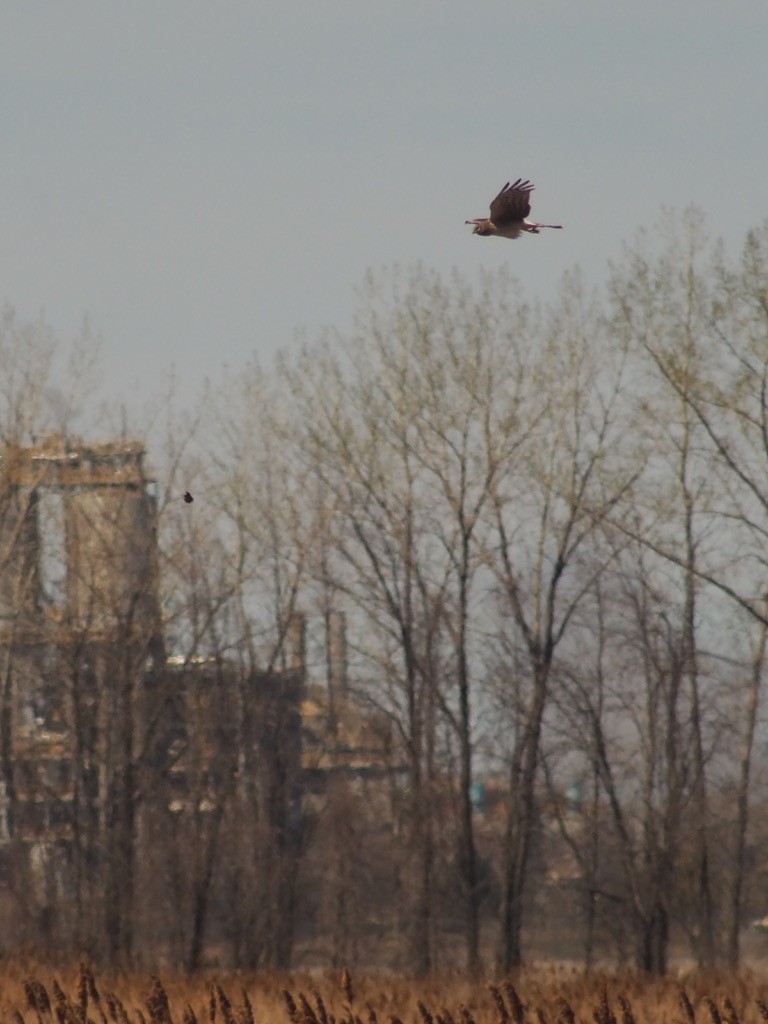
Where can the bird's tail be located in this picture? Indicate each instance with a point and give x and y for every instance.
(533, 226)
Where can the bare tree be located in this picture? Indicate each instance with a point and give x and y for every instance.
(548, 507)
(642, 745)
(701, 329)
(358, 434)
(464, 380)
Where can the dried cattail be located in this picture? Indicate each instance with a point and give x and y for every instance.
(17, 1018)
(540, 1016)
(762, 1008)
(466, 1015)
(63, 1010)
(30, 991)
(290, 1005)
(82, 991)
(59, 999)
(516, 1008)
(188, 1015)
(116, 1009)
(447, 1016)
(729, 1012)
(713, 1010)
(502, 1016)
(157, 1004)
(565, 1014)
(627, 1016)
(140, 1017)
(346, 986)
(43, 999)
(308, 1015)
(90, 982)
(93, 992)
(603, 1014)
(395, 1020)
(224, 1005)
(246, 1010)
(322, 1013)
(426, 1016)
(687, 1007)
(372, 1018)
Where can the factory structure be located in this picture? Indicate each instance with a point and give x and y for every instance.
(111, 747)
(68, 649)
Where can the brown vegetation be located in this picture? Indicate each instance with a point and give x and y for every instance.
(36, 994)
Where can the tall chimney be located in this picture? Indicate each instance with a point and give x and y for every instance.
(337, 654)
(296, 636)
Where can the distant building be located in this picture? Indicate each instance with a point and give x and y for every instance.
(105, 739)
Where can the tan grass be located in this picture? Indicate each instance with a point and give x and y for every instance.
(33, 993)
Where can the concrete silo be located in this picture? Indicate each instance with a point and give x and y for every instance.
(110, 540)
(19, 559)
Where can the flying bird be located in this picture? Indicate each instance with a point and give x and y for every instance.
(508, 212)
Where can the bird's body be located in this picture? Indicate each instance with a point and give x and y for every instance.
(508, 213)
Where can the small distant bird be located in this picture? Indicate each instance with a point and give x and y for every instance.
(508, 212)
(188, 497)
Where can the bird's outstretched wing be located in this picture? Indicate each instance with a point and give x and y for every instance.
(512, 204)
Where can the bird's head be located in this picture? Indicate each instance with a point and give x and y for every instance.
(482, 226)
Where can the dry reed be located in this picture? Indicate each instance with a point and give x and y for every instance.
(32, 994)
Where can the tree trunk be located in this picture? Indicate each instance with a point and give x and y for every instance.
(521, 823)
(654, 942)
(742, 803)
(468, 857)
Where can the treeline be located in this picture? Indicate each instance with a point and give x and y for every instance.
(547, 528)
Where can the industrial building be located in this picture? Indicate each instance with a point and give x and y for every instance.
(112, 750)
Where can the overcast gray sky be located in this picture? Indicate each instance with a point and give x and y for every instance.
(203, 180)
